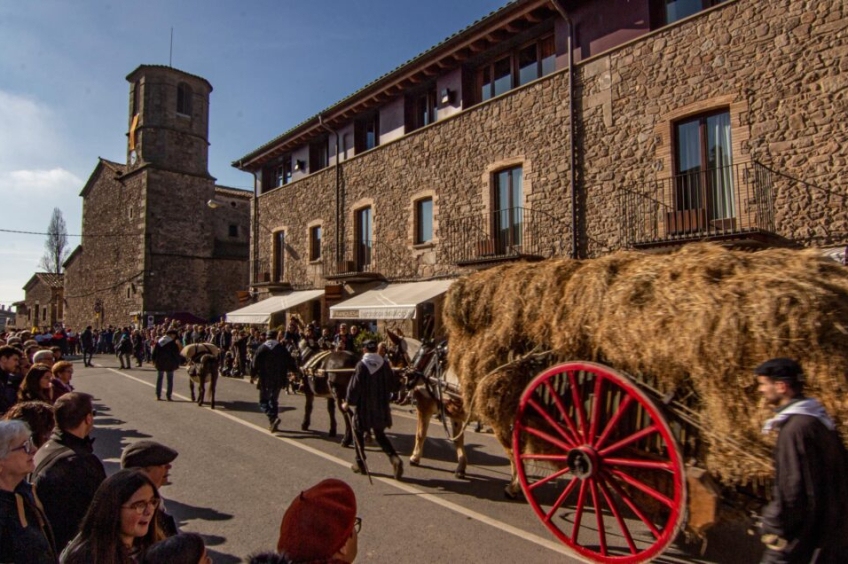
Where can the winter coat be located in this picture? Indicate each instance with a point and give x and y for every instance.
(810, 500)
(166, 354)
(67, 473)
(272, 363)
(87, 340)
(8, 393)
(25, 535)
(369, 391)
(125, 345)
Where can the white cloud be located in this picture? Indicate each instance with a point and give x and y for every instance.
(55, 182)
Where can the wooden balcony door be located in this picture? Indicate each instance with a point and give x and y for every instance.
(508, 217)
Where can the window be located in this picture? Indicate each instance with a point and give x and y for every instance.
(508, 216)
(674, 10)
(528, 63)
(315, 243)
(421, 109)
(184, 99)
(703, 184)
(44, 313)
(282, 172)
(234, 230)
(423, 221)
(367, 133)
(279, 255)
(363, 243)
(319, 155)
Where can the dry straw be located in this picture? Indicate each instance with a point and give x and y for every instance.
(704, 316)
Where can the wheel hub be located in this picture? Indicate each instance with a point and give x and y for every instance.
(583, 462)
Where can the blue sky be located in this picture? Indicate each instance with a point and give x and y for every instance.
(64, 99)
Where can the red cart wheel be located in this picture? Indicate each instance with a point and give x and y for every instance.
(599, 464)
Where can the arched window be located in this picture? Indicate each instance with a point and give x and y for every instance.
(184, 95)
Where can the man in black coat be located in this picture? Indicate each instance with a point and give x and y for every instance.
(807, 520)
(67, 472)
(10, 359)
(369, 392)
(87, 345)
(166, 357)
(271, 363)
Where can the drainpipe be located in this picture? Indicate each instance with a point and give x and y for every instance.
(338, 189)
(571, 115)
(255, 274)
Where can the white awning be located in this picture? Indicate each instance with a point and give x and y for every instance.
(260, 312)
(390, 301)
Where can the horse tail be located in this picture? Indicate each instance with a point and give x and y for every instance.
(208, 366)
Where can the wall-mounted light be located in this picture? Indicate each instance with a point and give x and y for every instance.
(446, 96)
(213, 203)
(299, 164)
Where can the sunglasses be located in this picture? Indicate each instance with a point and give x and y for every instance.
(27, 447)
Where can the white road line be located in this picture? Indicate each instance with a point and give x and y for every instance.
(419, 494)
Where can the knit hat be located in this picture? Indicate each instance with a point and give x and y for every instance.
(318, 522)
(370, 345)
(141, 454)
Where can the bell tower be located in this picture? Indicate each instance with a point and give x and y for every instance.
(168, 120)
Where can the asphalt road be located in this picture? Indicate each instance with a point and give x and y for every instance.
(233, 479)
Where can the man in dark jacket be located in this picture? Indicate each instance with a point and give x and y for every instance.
(271, 363)
(370, 391)
(806, 520)
(10, 359)
(124, 348)
(87, 345)
(67, 472)
(166, 358)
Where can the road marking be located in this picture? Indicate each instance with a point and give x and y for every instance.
(419, 494)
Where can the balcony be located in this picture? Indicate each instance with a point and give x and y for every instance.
(732, 203)
(505, 235)
(364, 260)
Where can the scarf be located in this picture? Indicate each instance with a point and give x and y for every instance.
(372, 361)
(271, 343)
(805, 406)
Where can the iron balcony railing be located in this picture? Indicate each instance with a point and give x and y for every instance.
(723, 202)
(505, 234)
(357, 257)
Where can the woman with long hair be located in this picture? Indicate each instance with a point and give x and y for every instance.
(120, 523)
(36, 385)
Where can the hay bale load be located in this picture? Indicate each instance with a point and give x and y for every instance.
(703, 316)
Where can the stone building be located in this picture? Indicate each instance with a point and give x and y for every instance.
(151, 246)
(571, 128)
(43, 305)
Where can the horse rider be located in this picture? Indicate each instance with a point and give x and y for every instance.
(271, 364)
(369, 392)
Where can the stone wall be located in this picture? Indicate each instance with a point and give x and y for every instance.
(48, 301)
(780, 70)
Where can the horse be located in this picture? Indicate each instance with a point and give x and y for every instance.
(435, 389)
(203, 370)
(325, 374)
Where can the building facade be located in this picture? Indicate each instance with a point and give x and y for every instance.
(159, 238)
(43, 306)
(556, 128)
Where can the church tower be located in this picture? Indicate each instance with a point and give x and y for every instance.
(168, 120)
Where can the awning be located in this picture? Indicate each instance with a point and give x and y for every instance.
(260, 312)
(390, 301)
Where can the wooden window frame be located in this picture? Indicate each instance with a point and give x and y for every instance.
(278, 244)
(419, 239)
(315, 242)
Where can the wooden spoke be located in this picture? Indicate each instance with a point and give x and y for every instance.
(557, 427)
(596, 409)
(561, 499)
(549, 438)
(552, 457)
(599, 516)
(578, 404)
(581, 501)
(633, 463)
(614, 421)
(629, 440)
(630, 503)
(547, 479)
(645, 488)
(617, 514)
(562, 411)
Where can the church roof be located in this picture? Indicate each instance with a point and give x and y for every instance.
(49, 279)
(141, 68)
(233, 192)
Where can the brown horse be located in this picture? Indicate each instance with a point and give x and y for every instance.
(204, 370)
(326, 374)
(435, 390)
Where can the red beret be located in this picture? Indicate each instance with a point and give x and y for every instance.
(318, 522)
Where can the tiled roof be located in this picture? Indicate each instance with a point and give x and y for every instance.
(417, 58)
(233, 192)
(51, 279)
(117, 167)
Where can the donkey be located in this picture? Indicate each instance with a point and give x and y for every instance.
(435, 389)
(205, 369)
(326, 374)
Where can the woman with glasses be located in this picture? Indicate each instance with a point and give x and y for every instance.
(24, 532)
(119, 525)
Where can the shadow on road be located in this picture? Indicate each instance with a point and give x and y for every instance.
(184, 513)
(110, 439)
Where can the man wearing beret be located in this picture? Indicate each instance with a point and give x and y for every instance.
(155, 460)
(369, 391)
(319, 527)
(807, 519)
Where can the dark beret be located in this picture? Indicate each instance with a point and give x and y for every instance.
(782, 369)
(146, 453)
(370, 345)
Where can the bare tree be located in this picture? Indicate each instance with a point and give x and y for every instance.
(56, 245)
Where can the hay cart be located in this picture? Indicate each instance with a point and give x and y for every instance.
(607, 469)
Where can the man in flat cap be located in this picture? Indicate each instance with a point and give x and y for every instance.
(155, 460)
(806, 520)
(369, 392)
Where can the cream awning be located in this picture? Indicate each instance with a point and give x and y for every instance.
(260, 312)
(390, 301)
